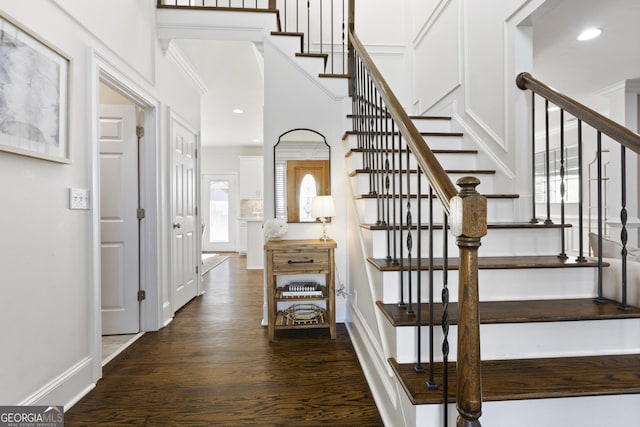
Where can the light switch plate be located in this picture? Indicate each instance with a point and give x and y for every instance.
(78, 198)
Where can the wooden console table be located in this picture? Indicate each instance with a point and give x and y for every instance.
(288, 309)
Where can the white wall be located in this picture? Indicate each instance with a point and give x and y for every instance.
(45, 256)
(292, 101)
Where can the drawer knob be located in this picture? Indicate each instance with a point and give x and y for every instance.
(300, 262)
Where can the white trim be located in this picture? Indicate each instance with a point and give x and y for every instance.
(63, 388)
(101, 70)
(500, 141)
(103, 46)
(429, 22)
(175, 53)
(480, 142)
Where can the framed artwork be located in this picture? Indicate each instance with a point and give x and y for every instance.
(34, 95)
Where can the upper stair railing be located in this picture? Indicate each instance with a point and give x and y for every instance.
(320, 23)
(551, 180)
(385, 135)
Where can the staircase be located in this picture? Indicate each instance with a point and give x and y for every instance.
(547, 349)
(550, 356)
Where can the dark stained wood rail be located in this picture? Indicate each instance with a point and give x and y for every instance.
(467, 210)
(617, 132)
(438, 177)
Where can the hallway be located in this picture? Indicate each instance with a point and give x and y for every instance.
(213, 366)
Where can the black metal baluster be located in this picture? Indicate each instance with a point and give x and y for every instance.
(387, 183)
(402, 303)
(308, 26)
(445, 320)
(380, 158)
(533, 220)
(377, 153)
(581, 257)
(410, 311)
(418, 365)
(331, 38)
(394, 191)
(562, 254)
(285, 16)
(623, 232)
(599, 299)
(370, 154)
(548, 161)
(321, 27)
(343, 39)
(431, 382)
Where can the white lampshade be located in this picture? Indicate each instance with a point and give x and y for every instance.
(322, 207)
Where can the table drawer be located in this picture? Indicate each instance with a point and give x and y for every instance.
(300, 262)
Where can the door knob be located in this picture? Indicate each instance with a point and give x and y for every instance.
(176, 225)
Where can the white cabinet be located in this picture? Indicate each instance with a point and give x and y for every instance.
(251, 177)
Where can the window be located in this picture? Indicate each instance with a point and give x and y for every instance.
(308, 190)
(571, 181)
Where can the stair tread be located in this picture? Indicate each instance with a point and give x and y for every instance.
(486, 263)
(452, 134)
(532, 378)
(439, 151)
(335, 76)
(412, 171)
(413, 196)
(495, 312)
(350, 116)
(492, 225)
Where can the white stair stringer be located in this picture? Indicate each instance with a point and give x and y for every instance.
(311, 66)
(372, 346)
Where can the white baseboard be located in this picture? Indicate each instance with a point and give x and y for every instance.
(66, 389)
(383, 387)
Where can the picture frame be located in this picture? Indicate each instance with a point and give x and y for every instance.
(34, 95)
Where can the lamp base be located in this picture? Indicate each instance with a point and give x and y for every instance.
(324, 236)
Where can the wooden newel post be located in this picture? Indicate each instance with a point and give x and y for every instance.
(469, 224)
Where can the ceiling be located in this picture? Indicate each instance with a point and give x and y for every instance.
(232, 71)
(582, 69)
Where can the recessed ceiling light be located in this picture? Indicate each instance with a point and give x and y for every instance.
(256, 140)
(238, 111)
(590, 33)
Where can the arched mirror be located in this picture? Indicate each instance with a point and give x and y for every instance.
(302, 170)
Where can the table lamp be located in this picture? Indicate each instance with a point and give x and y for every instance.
(322, 207)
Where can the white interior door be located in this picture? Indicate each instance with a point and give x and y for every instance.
(118, 220)
(186, 228)
(219, 212)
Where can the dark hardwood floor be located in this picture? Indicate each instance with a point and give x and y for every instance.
(214, 366)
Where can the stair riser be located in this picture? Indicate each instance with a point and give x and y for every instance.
(434, 142)
(527, 340)
(447, 161)
(423, 125)
(497, 242)
(497, 210)
(496, 284)
(289, 45)
(362, 183)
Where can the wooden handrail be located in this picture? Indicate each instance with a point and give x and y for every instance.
(608, 127)
(438, 178)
